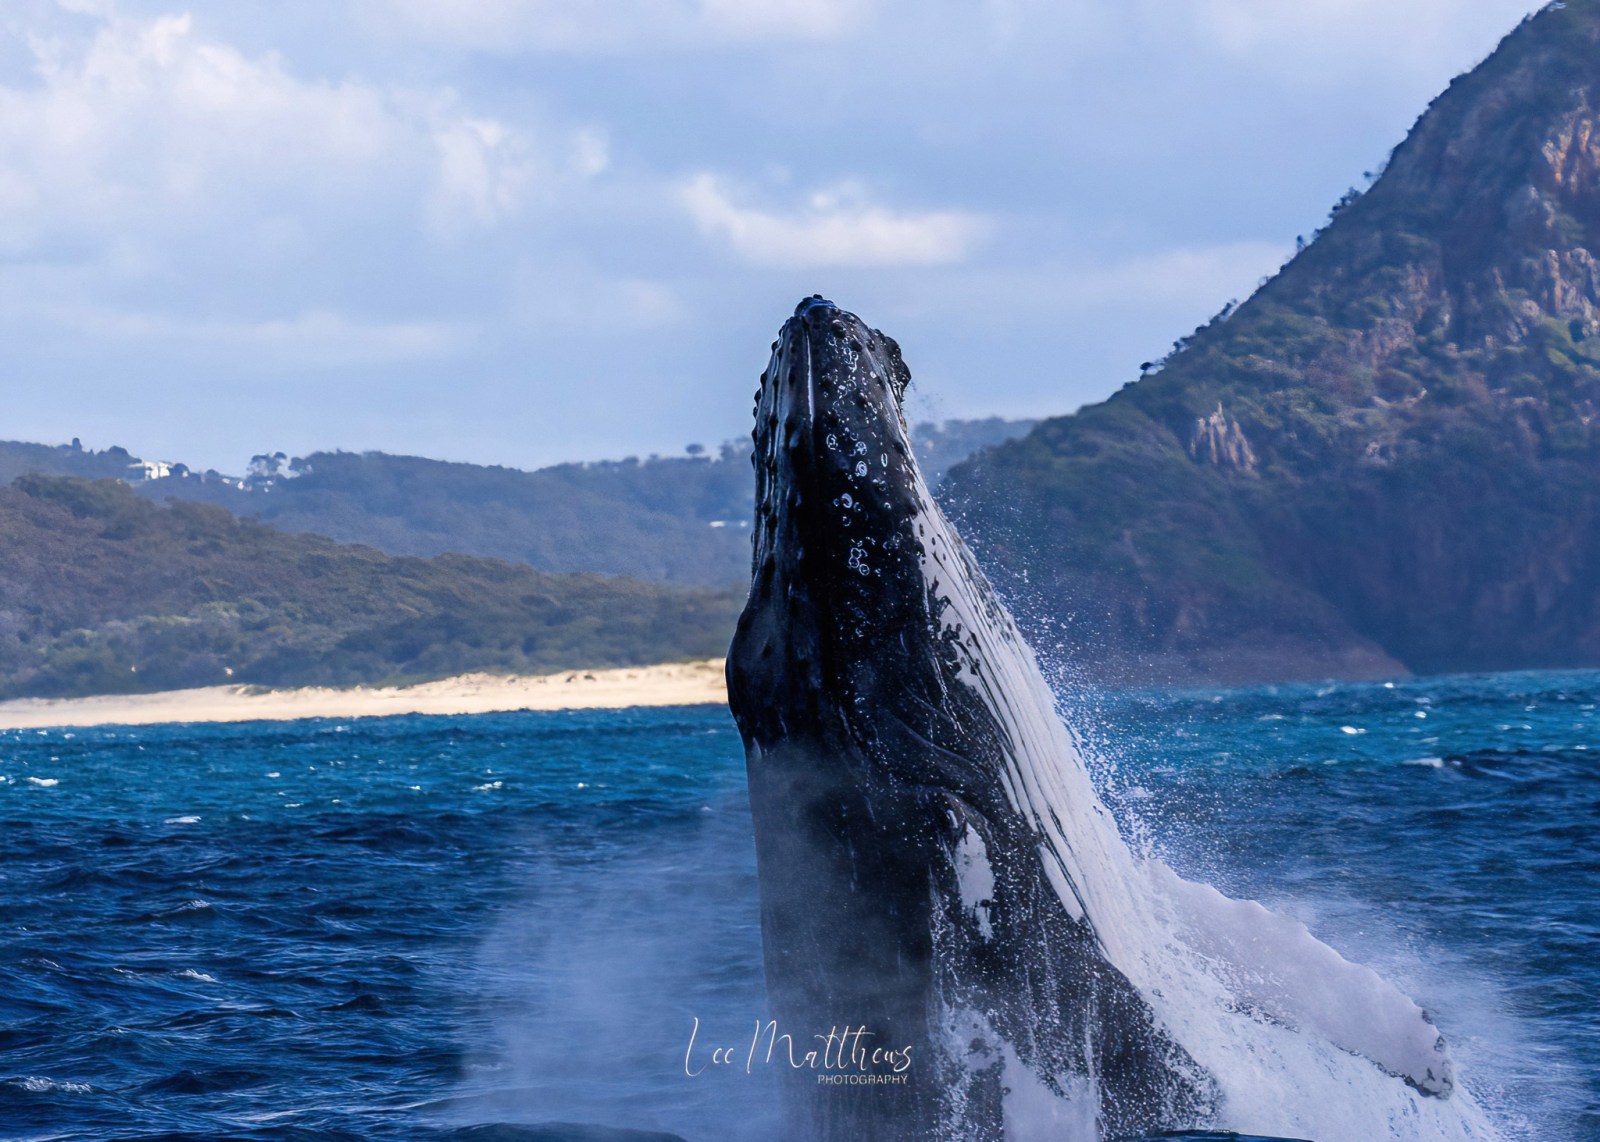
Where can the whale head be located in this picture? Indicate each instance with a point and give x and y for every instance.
(842, 525)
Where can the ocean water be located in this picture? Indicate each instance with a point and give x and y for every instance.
(427, 927)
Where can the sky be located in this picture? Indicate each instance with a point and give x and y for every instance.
(527, 231)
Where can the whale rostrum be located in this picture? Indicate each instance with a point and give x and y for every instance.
(936, 867)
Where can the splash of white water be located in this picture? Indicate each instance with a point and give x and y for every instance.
(1300, 1041)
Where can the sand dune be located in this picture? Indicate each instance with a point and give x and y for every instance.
(673, 684)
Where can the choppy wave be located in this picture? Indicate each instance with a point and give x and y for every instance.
(388, 950)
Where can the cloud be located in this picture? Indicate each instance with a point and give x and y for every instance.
(836, 227)
(781, 19)
(574, 297)
(1334, 36)
(318, 339)
(1203, 275)
(167, 192)
(148, 131)
(484, 170)
(501, 26)
(1298, 43)
(146, 122)
(1168, 291)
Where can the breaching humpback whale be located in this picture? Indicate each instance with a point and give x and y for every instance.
(936, 868)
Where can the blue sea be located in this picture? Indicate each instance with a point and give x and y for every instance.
(476, 927)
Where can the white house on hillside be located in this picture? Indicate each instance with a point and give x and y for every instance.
(149, 470)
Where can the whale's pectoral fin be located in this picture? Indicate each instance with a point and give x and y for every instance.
(1273, 964)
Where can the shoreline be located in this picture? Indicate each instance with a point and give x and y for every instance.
(698, 683)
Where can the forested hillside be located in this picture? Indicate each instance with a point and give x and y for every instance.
(102, 591)
(681, 519)
(1387, 458)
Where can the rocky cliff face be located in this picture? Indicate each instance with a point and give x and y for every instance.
(1389, 457)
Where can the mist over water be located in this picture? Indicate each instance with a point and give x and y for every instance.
(406, 927)
(595, 979)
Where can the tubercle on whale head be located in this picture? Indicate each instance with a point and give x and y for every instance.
(834, 547)
(830, 394)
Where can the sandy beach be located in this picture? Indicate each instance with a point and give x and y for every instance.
(673, 684)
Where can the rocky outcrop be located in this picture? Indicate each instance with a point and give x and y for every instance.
(1218, 440)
